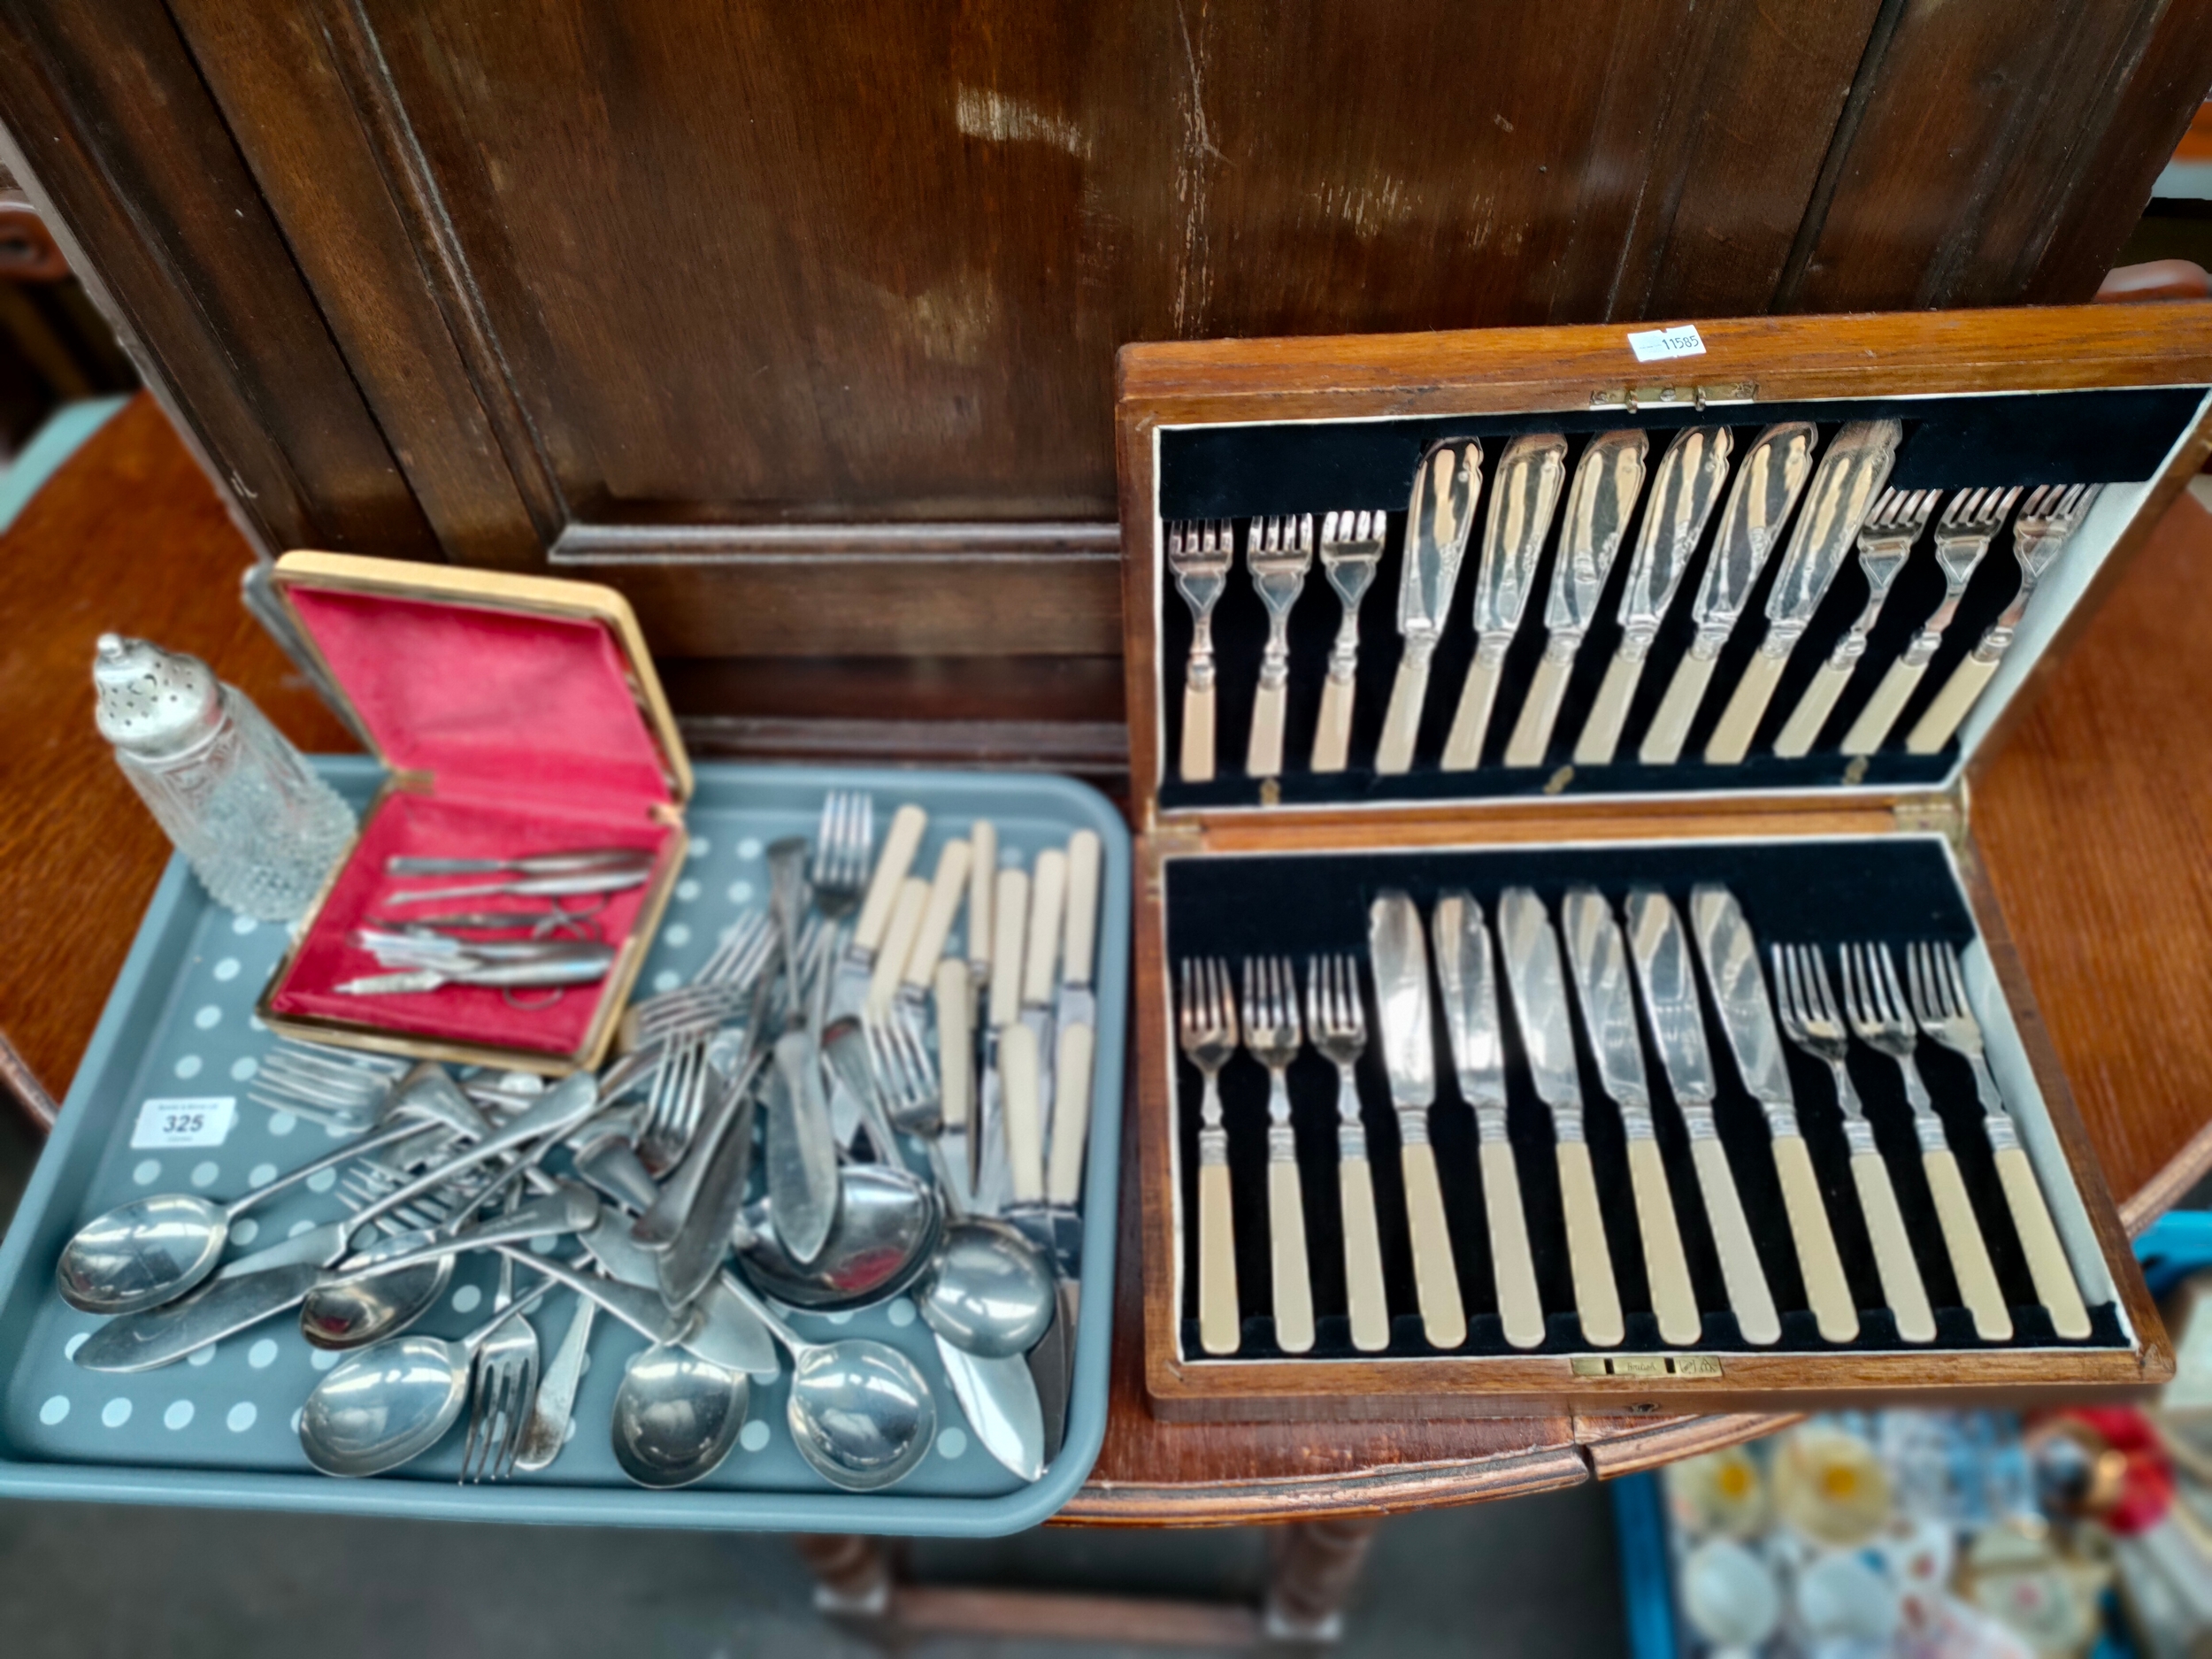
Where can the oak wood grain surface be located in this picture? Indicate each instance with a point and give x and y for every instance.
(2093, 826)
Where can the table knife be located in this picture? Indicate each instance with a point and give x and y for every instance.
(982, 916)
(1523, 494)
(1599, 960)
(1683, 497)
(1740, 994)
(1766, 487)
(1400, 963)
(1025, 1047)
(1599, 502)
(1540, 1007)
(1440, 514)
(1850, 478)
(1010, 920)
(955, 1072)
(1660, 951)
(1076, 1016)
(905, 927)
(1466, 975)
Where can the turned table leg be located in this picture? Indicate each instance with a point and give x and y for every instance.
(1316, 1567)
(852, 1580)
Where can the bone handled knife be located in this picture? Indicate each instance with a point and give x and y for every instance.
(1401, 967)
(1599, 502)
(1446, 488)
(1767, 486)
(1523, 494)
(1660, 951)
(1740, 994)
(1844, 490)
(1077, 1017)
(1466, 975)
(1540, 1007)
(1010, 920)
(1598, 959)
(946, 888)
(1029, 1120)
(982, 890)
(1684, 494)
(898, 943)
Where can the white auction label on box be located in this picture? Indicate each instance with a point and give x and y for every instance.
(1651, 345)
(185, 1123)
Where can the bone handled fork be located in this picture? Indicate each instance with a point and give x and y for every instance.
(1885, 542)
(1810, 1020)
(1278, 552)
(1200, 554)
(1874, 1002)
(1962, 535)
(1351, 548)
(1337, 1020)
(2046, 523)
(1272, 1037)
(1208, 1015)
(1940, 1004)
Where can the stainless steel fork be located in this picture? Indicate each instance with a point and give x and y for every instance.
(1810, 1020)
(1885, 542)
(1273, 1036)
(1337, 1017)
(1351, 550)
(339, 1088)
(1875, 1004)
(1962, 535)
(1278, 552)
(1207, 1014)
(506, 1381)
(1200, 554)
(1940, 1004)
(2047, 521)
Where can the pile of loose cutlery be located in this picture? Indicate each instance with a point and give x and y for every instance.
(1777, 487)
(832, 1113)
(1613, 961)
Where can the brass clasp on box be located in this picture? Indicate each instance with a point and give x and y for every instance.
(1633, 397)
(1645, 1366)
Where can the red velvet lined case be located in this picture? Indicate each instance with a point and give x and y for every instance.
(518, 715)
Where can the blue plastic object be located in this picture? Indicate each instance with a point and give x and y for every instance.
(218, 1431)
(1639, 1532)
(2173, 1246)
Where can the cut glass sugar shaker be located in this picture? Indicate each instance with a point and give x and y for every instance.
(259, 827)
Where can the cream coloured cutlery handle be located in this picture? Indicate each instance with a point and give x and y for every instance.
(1264, 751)
(1540, 711)
(1220, 1324)
(1602, 731)
(1749, 1296)
(1740, 720)
(1370, 1304)
(1198, 733)
(1470, 723)
(956, 1052)
(982, 890)
(1286, 1244)
(1968, 1250)
(900, 845)
(1825, 1286)
(1871, 730)
(1021, 1086)
(1802, 727)
(1071, 1113)
(1518, 1304)
(2053, 1276)
(1435, 1278)
(1960, 692)
(1671, 725)
(1597, 1299)
(1047, 903)
(1332, 740)
(1902, 1284)
(946, 890)
(1401, 721)
(898, 941)
(1009, 926)
(1672, 1298)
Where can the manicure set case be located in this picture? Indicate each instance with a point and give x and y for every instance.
(1820, 848)
(512, 714)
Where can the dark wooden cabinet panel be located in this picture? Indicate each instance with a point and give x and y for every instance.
(798, 323)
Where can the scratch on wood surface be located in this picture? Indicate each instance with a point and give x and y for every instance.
(981, 113)
(1369, 208)
(1193, 281)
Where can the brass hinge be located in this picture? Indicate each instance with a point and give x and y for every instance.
(1943, 815)
(1634, 397)
(1162, 841)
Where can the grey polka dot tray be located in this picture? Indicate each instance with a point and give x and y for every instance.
(219, 1430)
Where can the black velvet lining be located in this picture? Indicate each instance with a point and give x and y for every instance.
(1889, 888)
(1950, 444)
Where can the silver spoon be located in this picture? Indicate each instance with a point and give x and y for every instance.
(987, 1290)
(153, 1249)
(859, 1411)
(887, 1225)
(676, 1417)
(391, 1403)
